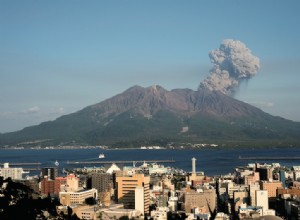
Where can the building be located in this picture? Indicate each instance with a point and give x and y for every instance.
(252, 178)
(161, 213)
(252, 189)
(111, 213)
(13, 173)
(262, 199)
(293, 192)
(271, 187)
(295, 211)
(195, 177)
(139, 197)
(50, 172)
(113, 168)
(103, 183)
(265, 172)
(250, 212)
(76, 198)
(173, 202)
(100, 181)
(200, 198)
(232, 187)
(125, 192)
(296, 172)
(60, 184)
(282, 177)
(159, 169)
(48, 187)
(72, 183)
(239, 197)
(85, 212)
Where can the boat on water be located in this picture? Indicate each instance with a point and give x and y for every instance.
(101, 156)
(56, 163)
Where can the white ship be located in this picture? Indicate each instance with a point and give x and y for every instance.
(56, 163)
(101, 156)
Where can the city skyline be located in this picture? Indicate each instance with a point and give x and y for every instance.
(59, 57)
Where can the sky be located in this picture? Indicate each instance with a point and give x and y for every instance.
(57, 57)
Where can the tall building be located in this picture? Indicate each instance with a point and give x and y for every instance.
(203, 198)
(48, 187)
(139, 199)
(282, 177)
(251, 179)
(265, 172)
(72, 183)
(296, 170)
(50, 172)
(271, 187)
(100, 181)
(60, 184)
(13, 173)
(126, 186)
(103, 183)
(253, 188)
(262, 199)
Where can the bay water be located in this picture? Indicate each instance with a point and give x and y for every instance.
(212, 161)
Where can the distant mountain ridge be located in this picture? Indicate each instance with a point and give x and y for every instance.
(154, 115)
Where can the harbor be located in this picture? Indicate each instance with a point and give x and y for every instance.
(133, 162)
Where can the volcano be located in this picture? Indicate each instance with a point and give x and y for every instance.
(153, 115)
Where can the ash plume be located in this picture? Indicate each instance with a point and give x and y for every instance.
(233, 63)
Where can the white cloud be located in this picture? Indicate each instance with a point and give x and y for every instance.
(34, 109)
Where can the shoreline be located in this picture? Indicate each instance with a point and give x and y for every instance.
(148, 149)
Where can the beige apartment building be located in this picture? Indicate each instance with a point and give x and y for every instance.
(75, 198)
(204, 198)
(271, 187)
(126, 186)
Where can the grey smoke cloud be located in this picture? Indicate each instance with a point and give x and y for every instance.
(233, 63)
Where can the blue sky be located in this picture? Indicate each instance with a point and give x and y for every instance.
(57, 57)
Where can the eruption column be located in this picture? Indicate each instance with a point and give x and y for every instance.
(233, 63)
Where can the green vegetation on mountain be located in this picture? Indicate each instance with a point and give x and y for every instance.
(155, 116)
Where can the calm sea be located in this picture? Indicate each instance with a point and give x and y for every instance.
(212, 161)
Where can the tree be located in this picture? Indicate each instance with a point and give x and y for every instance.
(17, 202)
(90, 201)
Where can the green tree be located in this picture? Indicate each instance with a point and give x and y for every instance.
(17, 202)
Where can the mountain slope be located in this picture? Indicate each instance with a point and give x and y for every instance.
(154, 115)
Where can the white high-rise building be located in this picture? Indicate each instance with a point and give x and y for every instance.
(140, 199)
(13, 173)
(262, 199)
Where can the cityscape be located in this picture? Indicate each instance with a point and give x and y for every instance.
(150, 190)
(149, 110)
